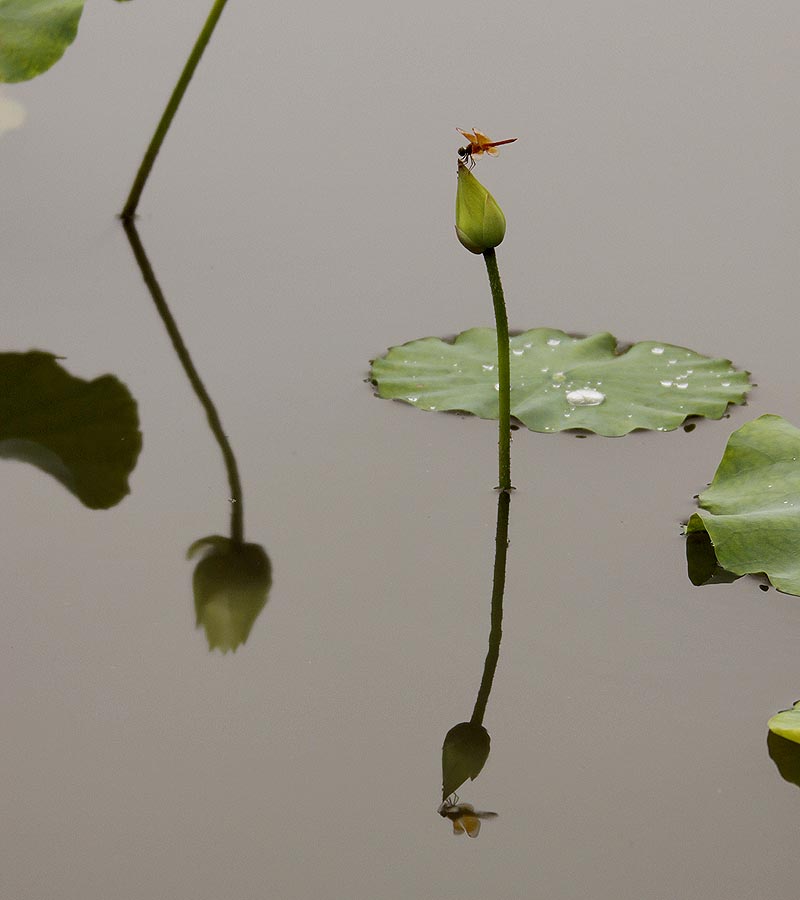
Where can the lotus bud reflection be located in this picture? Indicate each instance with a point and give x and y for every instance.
(464, 754)
(480, 223)
(231, 583)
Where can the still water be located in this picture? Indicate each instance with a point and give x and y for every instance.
(299, 221)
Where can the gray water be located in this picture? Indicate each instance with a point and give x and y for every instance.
(300, 221)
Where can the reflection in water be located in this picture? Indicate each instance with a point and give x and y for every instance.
(466, 746)
(231, 583)
(786, 756)
(465, 818)
(12, 113)
(232, 579)
(701, 561)
(84, 434)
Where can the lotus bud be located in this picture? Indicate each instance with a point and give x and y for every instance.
(480, 223)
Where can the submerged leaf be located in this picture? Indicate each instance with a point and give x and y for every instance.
(83, 433)
(751, 511)
(34, 35)
(560, 382)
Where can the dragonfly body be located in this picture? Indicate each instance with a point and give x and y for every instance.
(478, 144)
(465, 818)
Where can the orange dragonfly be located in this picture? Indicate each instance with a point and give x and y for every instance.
(465, 818)
(478, 145)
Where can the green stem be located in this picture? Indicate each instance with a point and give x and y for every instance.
(129, 210)
(237, 500)
(498, 587)
(503, 371)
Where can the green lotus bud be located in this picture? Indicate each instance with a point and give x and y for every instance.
(231, 583)
(480, 223)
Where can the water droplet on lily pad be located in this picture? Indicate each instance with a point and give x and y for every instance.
(585, 397)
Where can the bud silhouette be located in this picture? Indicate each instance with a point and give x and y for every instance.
(231, 583)
(464, 753)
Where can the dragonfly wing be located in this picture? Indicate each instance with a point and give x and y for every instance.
(471, 825)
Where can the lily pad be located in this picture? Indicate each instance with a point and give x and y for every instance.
(786, 724)
(34, 35)
(560, 382)
(83, 433)
(751, 511)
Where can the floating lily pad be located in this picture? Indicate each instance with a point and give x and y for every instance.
(560, 382)
(786, 724)
(83, 433)
(34, 35)
(751, 511)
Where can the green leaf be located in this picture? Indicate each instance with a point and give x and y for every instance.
(560, 382)
(34, 35)
(751, 511)
(786, 724)
(464, 753)
(83, 433)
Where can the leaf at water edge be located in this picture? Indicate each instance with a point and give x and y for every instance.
(560, 382)
(786, 724)
(34, 35)
(751, 510)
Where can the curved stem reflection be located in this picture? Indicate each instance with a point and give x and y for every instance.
(237, 501)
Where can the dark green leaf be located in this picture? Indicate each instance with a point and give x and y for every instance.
(786, 756)
(83, 433)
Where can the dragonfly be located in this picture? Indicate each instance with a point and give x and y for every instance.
(478, 145)
(465, 818)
